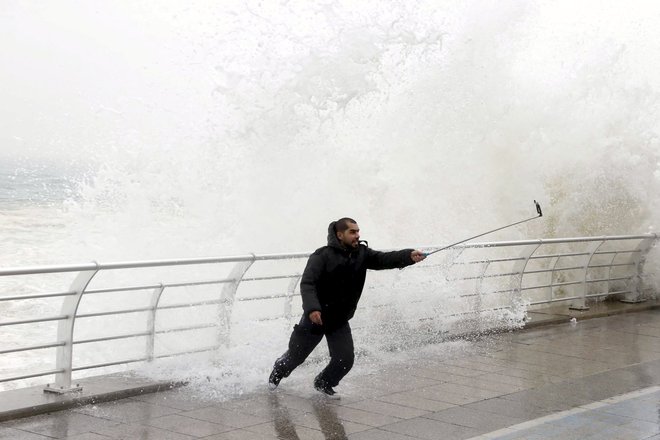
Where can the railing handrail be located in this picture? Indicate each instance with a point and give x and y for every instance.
(33, 270)
(550, 241)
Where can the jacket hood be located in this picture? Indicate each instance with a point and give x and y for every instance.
(333, 241)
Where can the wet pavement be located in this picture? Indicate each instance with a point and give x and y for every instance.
(598, 379)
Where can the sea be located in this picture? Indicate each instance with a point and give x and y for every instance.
(33, 197)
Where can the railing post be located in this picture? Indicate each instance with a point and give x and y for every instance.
(454, 254)
(551, 287)
(609, 271)
(517, 279)
(151, 322)
(638, 259)
(581, 303)
(288, 305)
(479, 324)
(64, 354)
(478, 287)
(227, 300)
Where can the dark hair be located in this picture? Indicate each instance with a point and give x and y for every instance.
(342, 224)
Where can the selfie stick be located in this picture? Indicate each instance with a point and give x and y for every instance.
(538, 210)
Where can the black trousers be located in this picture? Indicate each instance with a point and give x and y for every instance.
(305, 337)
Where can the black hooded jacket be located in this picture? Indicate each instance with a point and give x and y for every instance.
(334, 277)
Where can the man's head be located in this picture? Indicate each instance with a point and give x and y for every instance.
(348, 232)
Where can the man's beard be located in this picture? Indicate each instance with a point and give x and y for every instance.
(351, 245)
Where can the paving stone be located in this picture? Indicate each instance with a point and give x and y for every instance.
(391, 382)
(225, 417)
(365, 417)
(179, 399)
(240, 434)
(351, 394)
(647, 413)
(509, 408)
(379, 434)
(286, 430)
(455, 398)
(16, 434)
(469, 391)
(619, 433)
(471, 418)
(643, 427)
(267, 406)
(492, 385)
(187, 425)
(518, 381)
(328, 423)
(475, 365)
(291, 402)
(126, 411)
(550, 397)
(610, 419)
(87, 436)
(135, 431)
(414, 400)
(390, 409)
(60, 425)
(431, 429)
(440, 370)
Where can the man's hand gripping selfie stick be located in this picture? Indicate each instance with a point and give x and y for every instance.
(538, 210)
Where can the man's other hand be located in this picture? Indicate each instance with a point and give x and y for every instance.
(417, 256)
(315, 317)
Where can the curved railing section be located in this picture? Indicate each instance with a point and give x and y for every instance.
(110, 303)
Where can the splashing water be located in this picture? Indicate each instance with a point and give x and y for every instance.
(426, 121)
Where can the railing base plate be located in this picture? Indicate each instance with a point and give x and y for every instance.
(632, 301)
(62, 390)
(581, 308)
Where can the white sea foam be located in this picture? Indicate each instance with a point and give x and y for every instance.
(426, 121)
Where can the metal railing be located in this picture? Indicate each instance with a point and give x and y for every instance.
(485, 276)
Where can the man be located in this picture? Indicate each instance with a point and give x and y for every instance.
(331, 287)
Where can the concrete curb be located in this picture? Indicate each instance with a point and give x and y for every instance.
(562, 315)
(27, 402)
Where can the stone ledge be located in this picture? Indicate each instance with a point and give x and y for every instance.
(31, 401)
(561, 313)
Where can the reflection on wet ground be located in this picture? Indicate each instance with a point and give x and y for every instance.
(324, 417)
(599, 379)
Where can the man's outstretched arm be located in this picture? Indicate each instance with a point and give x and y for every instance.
(393, 260)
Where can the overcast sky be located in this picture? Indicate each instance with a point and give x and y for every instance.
(78, 76)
